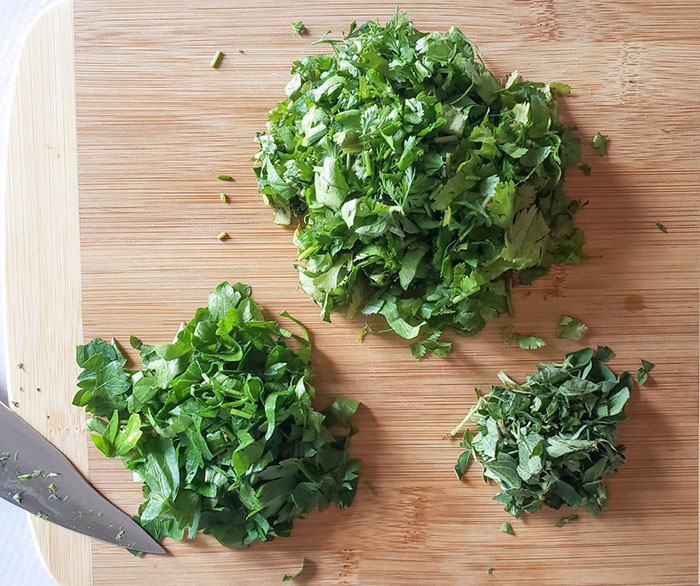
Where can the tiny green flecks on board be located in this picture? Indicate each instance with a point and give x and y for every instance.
(219, 425)
(425, 185)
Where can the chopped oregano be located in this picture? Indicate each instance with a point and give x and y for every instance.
(551, 440)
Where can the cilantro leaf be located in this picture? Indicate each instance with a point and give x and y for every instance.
(551, 440)
(571, 328)
(600, 143)
(219, 425)
(424, 185)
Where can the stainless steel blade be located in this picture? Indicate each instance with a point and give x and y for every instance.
(37, 477)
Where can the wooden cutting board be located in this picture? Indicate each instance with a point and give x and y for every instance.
(155, 124)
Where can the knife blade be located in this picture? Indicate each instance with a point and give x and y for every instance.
(37, 477)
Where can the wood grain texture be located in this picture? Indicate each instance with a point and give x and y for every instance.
(42, 265)
(155, 126)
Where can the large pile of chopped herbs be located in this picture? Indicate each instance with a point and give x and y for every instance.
(425, 186)
(553, 439)
(219, 425)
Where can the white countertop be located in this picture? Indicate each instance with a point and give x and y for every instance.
(20, 563)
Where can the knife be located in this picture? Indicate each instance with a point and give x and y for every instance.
(37, 477)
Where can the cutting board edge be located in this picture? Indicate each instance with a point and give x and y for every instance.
(45, 122)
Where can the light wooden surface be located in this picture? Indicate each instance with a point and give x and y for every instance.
(42, 265)
(155, 125)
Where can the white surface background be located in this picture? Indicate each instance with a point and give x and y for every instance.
(20, 565)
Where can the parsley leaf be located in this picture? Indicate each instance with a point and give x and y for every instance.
(507, 528)
(551, 440)
(219, 425)
(600, 143)
(424, 185)
(643, 372)
(571, 328)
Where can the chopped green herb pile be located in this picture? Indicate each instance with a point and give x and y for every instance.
(219, 425)
(571, 328)
(600, 143)
(425, 185)
(553, 439)
(524, 341)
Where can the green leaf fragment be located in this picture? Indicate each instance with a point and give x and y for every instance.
(526, 342)
(661, 227)
(298, 27)
(600, 143)
(507, 528)
(566, 520)
(290, 577)
(643, 371)
(571, 328)
(585, 169)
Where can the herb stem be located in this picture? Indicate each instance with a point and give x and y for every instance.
(217, 57)
(466, 419)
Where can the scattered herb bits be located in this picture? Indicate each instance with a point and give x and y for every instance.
(552, 440)
(425, 185)
(224, 177)
(219, 425)
(222, 197)
(600, 143)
